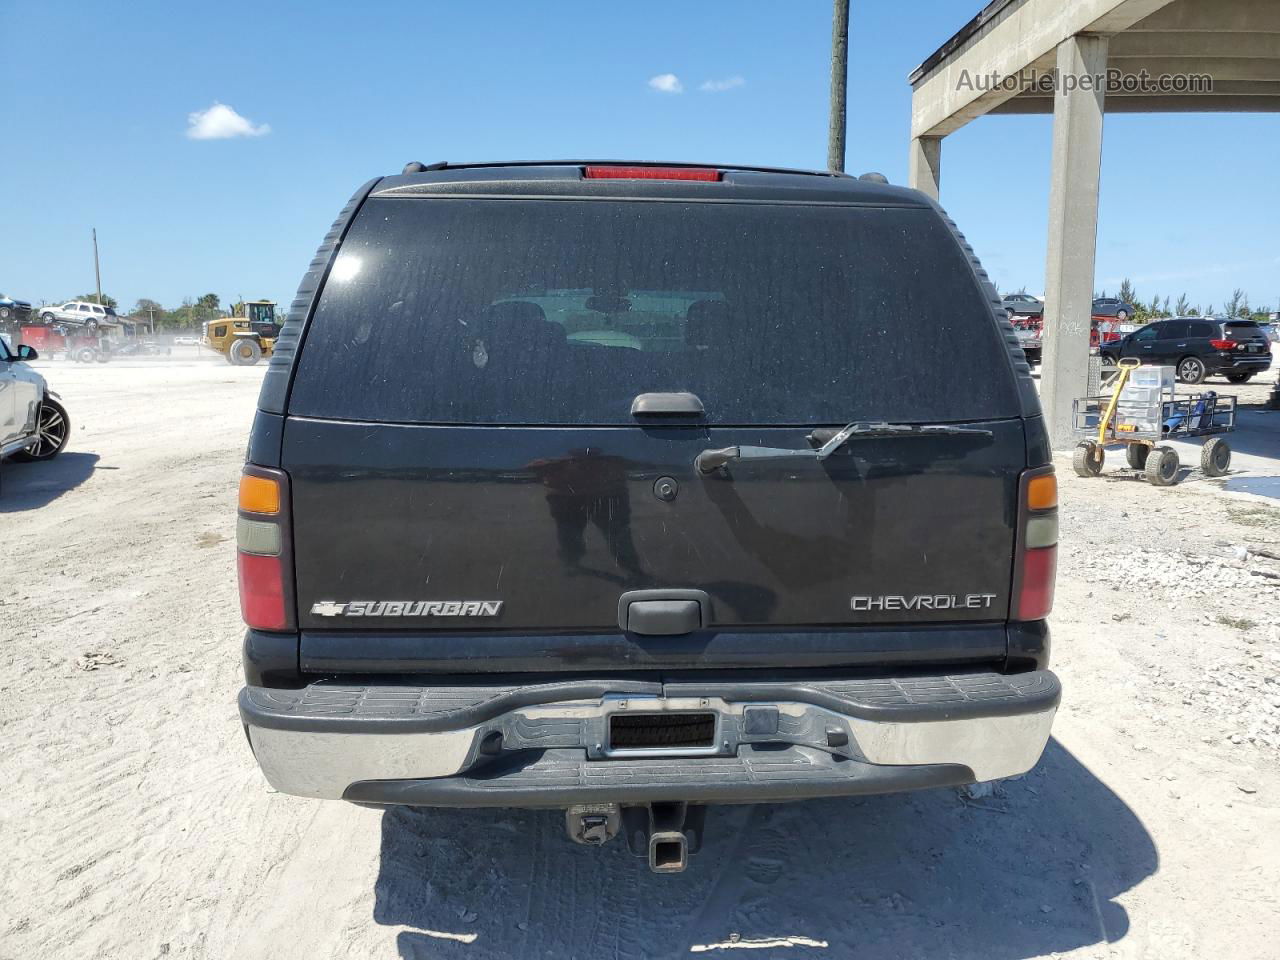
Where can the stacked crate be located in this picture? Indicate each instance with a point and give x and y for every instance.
(1140, 408)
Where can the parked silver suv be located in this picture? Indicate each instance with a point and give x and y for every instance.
(33, 423)
(80, 313)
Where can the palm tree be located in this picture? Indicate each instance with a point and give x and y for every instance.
(1232, 308)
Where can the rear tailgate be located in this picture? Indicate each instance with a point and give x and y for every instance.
(464, 457)
(555, 523)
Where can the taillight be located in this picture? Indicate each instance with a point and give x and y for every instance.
(651, 173)
(1036, 557)
(263, 559)
(262, 592)
(1222, 344)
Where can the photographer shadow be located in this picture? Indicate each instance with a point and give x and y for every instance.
(1034, 869)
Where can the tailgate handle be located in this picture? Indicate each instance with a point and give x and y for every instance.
(666, 404)
(663, 613)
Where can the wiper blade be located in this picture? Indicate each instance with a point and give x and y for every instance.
(880, 428)
(709, 461)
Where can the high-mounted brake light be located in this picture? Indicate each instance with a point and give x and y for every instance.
(263, 559)
(1036, 556)
(705, 174)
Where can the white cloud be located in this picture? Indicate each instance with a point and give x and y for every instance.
(220, 122)
(720, 86)
(666, 83)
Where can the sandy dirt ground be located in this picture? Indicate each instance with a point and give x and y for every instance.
(135, 823)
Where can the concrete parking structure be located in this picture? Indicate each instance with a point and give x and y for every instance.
(1152, 55)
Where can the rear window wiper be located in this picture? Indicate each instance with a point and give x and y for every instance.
(709, 461)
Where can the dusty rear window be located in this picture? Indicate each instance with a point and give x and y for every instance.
(561, 312)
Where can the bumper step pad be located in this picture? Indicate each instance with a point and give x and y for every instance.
(561, 777)
(403, 708)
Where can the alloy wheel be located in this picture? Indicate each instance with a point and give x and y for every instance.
(52, 432)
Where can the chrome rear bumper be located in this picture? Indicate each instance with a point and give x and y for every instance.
(550, 744)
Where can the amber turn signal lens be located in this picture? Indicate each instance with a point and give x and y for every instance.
(259, 495)
(1042, 492)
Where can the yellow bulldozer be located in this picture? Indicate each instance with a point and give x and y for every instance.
(246, 336)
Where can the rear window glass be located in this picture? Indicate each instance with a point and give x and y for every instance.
(1245, 328)
(561, 312)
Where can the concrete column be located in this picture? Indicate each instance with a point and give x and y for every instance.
(924, 165)
(1073, 230)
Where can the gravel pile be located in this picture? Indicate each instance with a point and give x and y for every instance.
(1234, 593)
(1239, 582)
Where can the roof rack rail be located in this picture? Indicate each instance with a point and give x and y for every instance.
(417, 167)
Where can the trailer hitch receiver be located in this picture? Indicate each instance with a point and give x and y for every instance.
(665, 833)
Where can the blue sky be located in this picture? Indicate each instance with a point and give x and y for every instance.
(95, 99)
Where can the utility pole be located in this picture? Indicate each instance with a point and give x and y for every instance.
(839, 84)
(97, 274)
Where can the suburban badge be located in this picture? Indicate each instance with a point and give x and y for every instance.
(407, 608)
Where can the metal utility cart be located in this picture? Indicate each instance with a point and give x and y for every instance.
(1096, 422)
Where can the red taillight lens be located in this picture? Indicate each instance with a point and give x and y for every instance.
(264, 560)
(262, 592)
(652, 173)
(1222, 344)
(1035, 594)
(1036, 557)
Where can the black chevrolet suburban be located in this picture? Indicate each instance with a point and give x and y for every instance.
(625, 489)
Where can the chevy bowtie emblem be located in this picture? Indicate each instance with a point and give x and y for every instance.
(407, 608)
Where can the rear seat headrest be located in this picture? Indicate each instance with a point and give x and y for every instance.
(522, 323)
